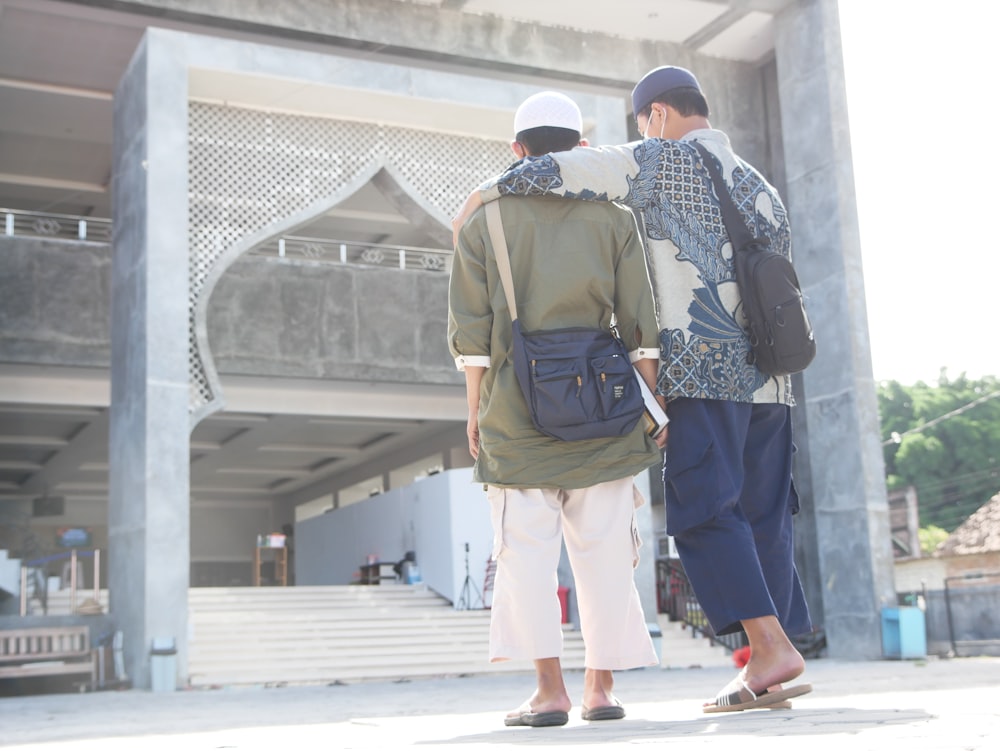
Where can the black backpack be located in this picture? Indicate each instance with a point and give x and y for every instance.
(781, 338)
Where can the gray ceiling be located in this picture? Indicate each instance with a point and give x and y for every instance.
(59, 65)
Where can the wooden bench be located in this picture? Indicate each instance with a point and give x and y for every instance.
(47, 650)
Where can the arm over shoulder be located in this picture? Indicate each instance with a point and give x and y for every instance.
(594, 174)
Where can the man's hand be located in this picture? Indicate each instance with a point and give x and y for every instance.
(472, 430)
(473, 381)
(661, 437)
(473, 202)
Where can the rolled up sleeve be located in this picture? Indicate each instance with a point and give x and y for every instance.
(470, 315)
(643, 353)
(478, 361)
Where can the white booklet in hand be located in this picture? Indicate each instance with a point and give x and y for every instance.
(654, 418)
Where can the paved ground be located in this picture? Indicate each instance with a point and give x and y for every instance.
(930, 705)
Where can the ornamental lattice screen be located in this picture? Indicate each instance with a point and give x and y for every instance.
(249, 169)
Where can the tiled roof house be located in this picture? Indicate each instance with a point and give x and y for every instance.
(979, 534)
(973, 548)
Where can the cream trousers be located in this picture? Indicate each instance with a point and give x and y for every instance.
(598, 525)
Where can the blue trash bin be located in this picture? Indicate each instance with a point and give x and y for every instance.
(904, 635)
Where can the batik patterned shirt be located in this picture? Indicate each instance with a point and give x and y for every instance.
(704, 348)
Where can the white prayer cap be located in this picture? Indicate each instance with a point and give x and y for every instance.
(548, 108)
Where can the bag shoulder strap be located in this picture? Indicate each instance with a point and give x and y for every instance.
(495, 226)
(499, 240)
(731, 216)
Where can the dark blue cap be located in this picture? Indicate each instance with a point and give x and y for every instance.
(658, 81)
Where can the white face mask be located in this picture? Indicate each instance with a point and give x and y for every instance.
(645, 133)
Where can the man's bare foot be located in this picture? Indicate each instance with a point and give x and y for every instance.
(773, 658)
(768, 672)
(598, 688)
(538, 704)
(767, 676)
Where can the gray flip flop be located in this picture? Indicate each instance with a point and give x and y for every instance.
(538, 719)
(612, 712)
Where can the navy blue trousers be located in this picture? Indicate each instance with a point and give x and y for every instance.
(727, 478)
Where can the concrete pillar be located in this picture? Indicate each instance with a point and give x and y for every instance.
(148, 509)
(844, 527)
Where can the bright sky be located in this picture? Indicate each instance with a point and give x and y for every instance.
(922, 83)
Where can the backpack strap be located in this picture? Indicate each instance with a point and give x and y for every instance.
(499, 240)
(731, 216)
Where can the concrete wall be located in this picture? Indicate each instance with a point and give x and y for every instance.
(149, 503)
(969, 616)
(916, 574)
(55, 302)
(434, 517)
(222, 539)
(845, 524)
(285, 318)
(268, 316)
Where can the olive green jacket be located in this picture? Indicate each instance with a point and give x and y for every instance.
(573, 263)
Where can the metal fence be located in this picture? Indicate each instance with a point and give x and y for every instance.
(972, 603)
(676, 598)
(310, 249)
(34, 579)
(402, 257)
(56, 226)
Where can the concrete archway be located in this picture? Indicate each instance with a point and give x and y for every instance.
(167, 245)
(402, 196)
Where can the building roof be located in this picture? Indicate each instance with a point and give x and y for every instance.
(980, 533)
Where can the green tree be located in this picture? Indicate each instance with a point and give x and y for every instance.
(931, 537)
(943, 439)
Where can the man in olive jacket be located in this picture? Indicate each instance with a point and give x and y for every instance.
(573, 264)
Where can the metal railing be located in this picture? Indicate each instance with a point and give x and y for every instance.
(973, 616)
(404, 257)
(319, 250)
(678, 601)
(56, 226)
(37, 567)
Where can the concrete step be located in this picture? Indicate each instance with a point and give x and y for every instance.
(680, 649)
(330, 592)
(265, 675)
(295, 635)
(408, 637)
(402, 639)
(466, 658)
(341, 611)
(357, 623)
(316, 666)
(316, 635)
(227, 600)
